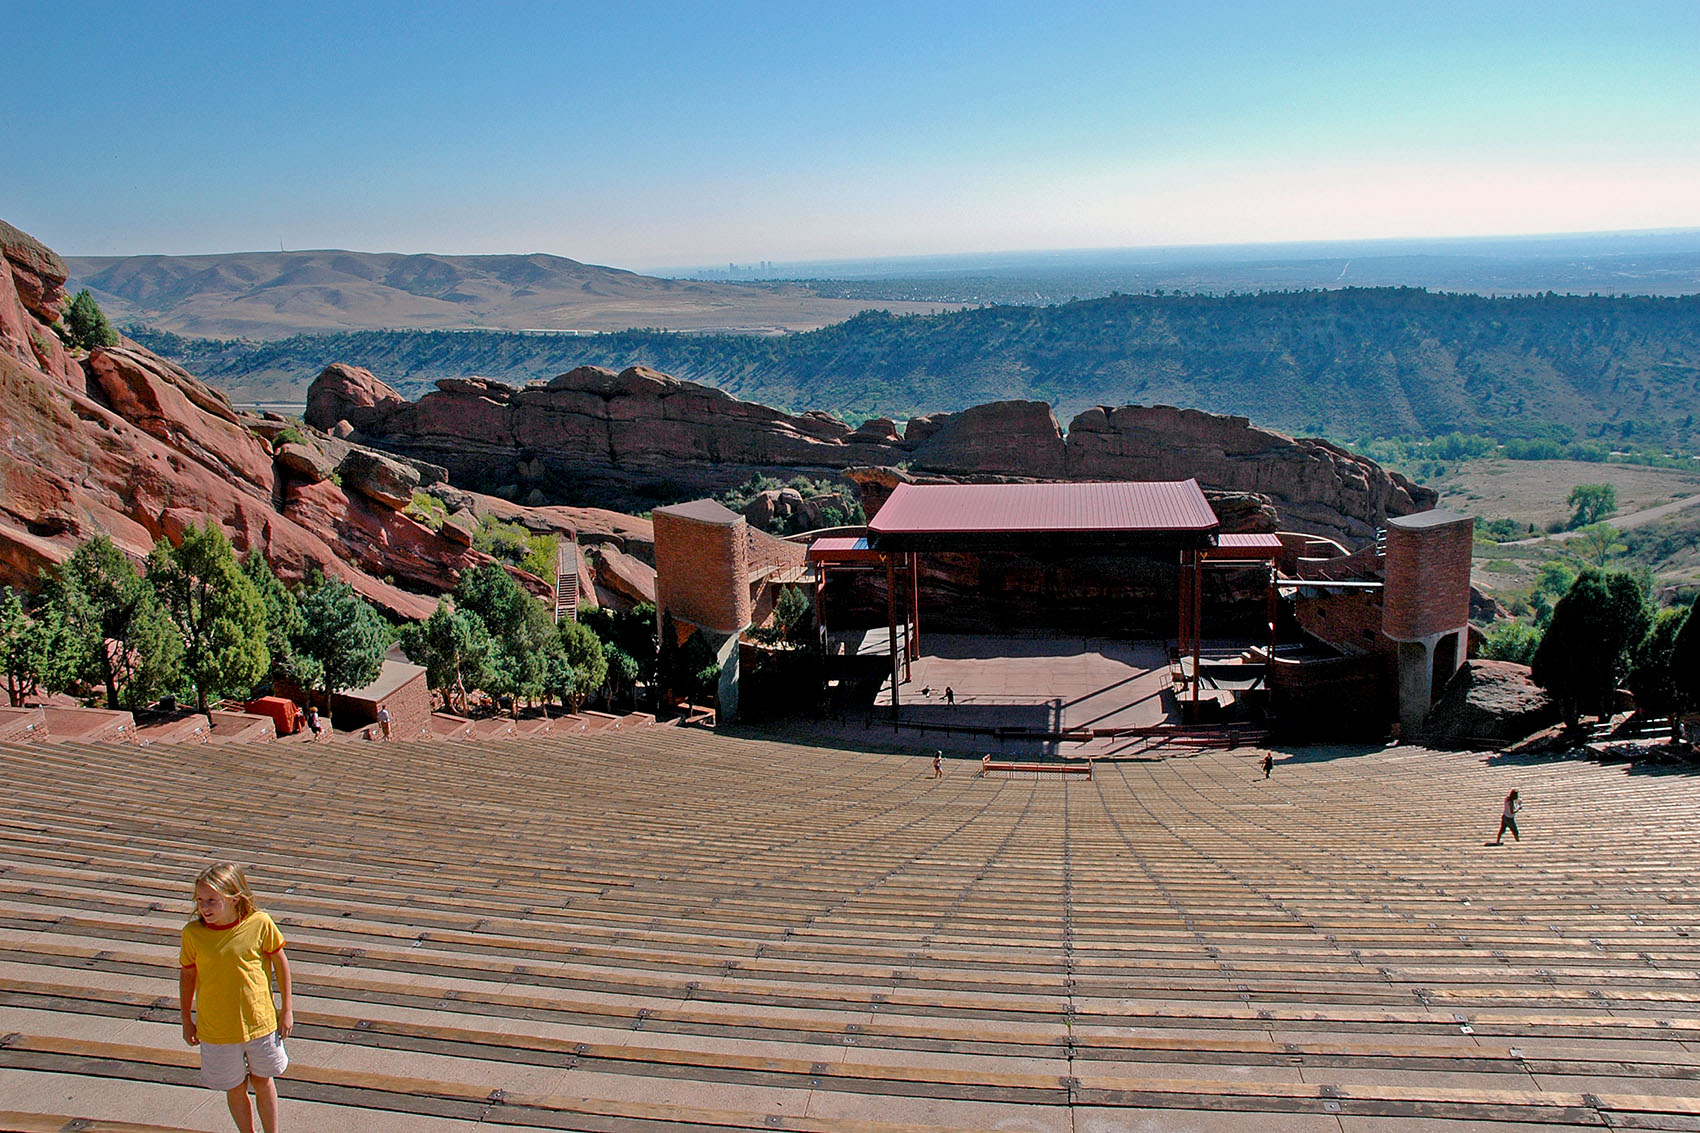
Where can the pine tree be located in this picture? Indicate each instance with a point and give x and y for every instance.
(217, 611)
(86, 323)
(117, 635)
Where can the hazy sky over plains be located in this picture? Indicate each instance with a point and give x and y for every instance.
(644, 135)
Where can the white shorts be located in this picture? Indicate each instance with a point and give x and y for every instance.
(224, 1066)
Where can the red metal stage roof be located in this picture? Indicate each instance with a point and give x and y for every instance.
(1107, 508)
(1247, 548)
(842, 549)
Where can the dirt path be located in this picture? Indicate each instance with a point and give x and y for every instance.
(1621, 522)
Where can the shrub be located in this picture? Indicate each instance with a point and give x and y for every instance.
(1511, 640)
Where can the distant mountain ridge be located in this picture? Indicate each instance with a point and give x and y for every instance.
(1354, 363)
(277, 294)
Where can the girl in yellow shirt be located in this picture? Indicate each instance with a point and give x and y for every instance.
(226, 1000)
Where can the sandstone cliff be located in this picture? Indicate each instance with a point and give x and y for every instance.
(126, 444)
(632, 438)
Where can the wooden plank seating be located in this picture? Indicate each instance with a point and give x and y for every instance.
(1011, 769)
(673, 928)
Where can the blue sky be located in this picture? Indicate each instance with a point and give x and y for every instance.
(647, 135)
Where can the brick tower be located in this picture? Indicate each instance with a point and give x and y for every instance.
(1426, 605)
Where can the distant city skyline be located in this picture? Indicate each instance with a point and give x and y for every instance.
(671, 135)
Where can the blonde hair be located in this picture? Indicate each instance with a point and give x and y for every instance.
(227, 878)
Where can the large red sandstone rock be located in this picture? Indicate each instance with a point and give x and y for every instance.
(32, 282)
(1011, 438)
(628, 433)
(304, 461)
(1488, 704)
(147, 451)
(1314, 485)
(622, 580)
(167, 403)
(388, 482)
(348, 393)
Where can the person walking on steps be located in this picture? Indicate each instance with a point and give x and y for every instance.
(1268, 763)
(228, 952)
(938, 764)
(1508, 818)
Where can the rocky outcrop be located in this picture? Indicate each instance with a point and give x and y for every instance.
(1314, 485)
(348, 393)
(632, 437)
(788, 509)
(169, 404)
(32, 290)
(304, 461)
(1488, 704)
(139, 450)
(389, 482)
(1003, 438)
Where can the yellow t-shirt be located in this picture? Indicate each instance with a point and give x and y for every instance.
(233, 998)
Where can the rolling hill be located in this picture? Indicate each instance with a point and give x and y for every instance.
(1354, 363)
(277, 294)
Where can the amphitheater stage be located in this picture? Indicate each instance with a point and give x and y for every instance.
(1026, 683)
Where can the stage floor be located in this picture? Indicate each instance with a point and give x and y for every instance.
(1039, 683)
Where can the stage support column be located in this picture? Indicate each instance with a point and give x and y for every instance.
(891, 628)
(1197, 621)
(914, 606)
(820, 605)
(1274, 609)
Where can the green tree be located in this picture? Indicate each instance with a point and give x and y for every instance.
(116, 633)
(525, 647)
(622, 673)
(1583, 655)
(686, 668)
(1685, 663)
(343, 635)
(86, 324)
(33, 650)
(283, 620)
(454, 648)
(582, 666)
(632, 632)
(1511, 640)
(1597, 543)
(217, 611)
(1652, 676)
(1592, 503)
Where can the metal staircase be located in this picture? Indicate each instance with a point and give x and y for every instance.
(566, 581)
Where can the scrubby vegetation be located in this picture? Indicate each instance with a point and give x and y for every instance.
(1547, 376)
(513, 544)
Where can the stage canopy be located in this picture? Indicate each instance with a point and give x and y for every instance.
(1044, 518)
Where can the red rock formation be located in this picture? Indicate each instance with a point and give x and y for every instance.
(1488, 704)
(619, 435)
(32, 288)
(140, 450)
(1314, 485)
(346, 393)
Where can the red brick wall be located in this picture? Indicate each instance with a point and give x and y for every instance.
(702, 571)
(409, 705)
(1428, 579)
(1349, 621)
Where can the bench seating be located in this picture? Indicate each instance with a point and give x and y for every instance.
(653, 928)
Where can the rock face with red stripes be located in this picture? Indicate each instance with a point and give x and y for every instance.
(635, 437)
(125, 444)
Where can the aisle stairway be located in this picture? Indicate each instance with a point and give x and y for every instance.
(669, 928)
